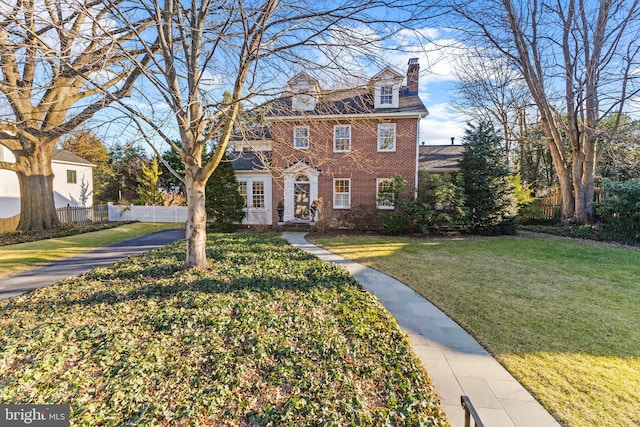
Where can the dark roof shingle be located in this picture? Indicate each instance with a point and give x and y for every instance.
(348, 102)
(440, 158)
(250, 160)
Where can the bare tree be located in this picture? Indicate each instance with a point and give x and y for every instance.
(579, 60)
(487, 86)
(245, 48)
(61, 62)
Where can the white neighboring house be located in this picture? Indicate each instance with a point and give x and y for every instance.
(72, 182)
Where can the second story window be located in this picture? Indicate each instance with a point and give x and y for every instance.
(341, 138)
(387, 137)
(386, 95)
(301, 137)
(71, 177)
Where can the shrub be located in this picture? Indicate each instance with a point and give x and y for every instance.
(621, 210)
(361, 218)
(395, 223)
(440, 204)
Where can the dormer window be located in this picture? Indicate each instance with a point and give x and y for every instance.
(386, 88)
(386, 95)
(305, 92)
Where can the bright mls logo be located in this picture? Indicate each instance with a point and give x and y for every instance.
(34, 415)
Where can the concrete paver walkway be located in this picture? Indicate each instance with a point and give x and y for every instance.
(51, 273)
(456, 363)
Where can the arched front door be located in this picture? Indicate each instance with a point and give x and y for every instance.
(301, 198)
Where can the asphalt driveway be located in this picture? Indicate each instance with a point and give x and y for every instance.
(52, 273)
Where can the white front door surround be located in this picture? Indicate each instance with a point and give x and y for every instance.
(306, 191)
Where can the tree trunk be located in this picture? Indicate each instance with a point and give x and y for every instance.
(37, 206)
(196, 227)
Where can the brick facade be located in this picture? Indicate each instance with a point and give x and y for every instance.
(363, 164)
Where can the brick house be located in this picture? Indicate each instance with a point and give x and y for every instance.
(339, 146)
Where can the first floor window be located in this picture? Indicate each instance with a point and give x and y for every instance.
(71, 177)
(384, 193)
(253, 193)
(387, 137)
(341, 193)
(301, 137)
(258, 194)
(341, 138)
(242, 189)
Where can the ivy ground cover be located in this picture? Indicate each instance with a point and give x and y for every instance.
(267, 336)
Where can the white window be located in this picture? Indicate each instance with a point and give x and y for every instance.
(253, 193)
(301, 137)
(387, 137)
(71, 177)
(341, 193)
(341, 138)
(257, 194)
(386, 95)
(242, 189)
(384, 196)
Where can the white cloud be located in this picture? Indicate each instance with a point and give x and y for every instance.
(442, 123)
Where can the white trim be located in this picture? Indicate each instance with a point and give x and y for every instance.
(395, 94)
(334, 204)
(257, 216)
(416, 177)
(289, 176)
(334, 138)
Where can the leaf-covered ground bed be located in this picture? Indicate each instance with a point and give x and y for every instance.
(267, 336)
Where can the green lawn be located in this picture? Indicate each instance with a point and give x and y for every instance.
(269, 335)
(561, 315)
(23, 256)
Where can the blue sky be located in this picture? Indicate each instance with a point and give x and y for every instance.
(437, 81)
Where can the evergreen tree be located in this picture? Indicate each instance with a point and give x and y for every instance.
(126, 163)
(224, 203)
(148, 191)
(491, 205)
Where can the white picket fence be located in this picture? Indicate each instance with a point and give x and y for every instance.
(147, 213)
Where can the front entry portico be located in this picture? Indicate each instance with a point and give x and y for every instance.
(300, 190)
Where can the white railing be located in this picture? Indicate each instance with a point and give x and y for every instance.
(147, 213)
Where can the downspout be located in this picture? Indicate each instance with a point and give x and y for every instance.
(415, 185)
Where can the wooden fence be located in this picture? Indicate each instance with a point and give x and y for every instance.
(550, 206)
(83, 215)
(9, 224)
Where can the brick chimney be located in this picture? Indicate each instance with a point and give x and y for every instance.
(413, 75)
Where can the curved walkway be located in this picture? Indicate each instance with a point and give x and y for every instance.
(49, 274)
(456, 363)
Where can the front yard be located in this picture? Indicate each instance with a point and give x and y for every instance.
(268, 336)
(561, 315)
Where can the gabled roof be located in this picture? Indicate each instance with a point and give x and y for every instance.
(395, 75)
(302, 76)
(439, 158)
(357, 101)
(65, 156)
